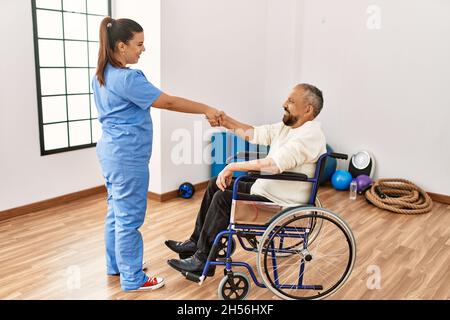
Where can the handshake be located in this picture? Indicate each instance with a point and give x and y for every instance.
(217, 118)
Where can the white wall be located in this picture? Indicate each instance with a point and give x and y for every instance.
(235, 55)
(148, 15)
(213, 52)
(284, 23)
(386, 90)
(25, 176)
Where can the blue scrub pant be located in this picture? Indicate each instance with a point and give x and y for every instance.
(127, 187)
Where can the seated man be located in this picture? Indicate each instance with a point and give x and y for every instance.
(295, 146)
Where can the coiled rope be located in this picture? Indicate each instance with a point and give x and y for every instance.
(399, 196)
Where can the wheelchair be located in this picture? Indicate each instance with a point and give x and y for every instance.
(303, 251)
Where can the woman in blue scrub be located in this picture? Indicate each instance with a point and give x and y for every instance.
(123, 97)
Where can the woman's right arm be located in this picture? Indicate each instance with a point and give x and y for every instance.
(179, 104)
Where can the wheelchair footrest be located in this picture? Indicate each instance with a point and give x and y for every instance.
(195, 277)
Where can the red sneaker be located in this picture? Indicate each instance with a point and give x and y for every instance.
(152, 283)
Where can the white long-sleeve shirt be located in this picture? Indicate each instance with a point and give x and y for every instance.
(294, 150)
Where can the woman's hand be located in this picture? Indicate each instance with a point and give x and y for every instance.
(214, 117)
(224, 178)
(224, 119)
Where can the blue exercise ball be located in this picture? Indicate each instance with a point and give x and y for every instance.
(329, 168)
(341, 179)
(186, 190)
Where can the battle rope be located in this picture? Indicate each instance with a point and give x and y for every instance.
(399, 196)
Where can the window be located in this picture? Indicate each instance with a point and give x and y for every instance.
(66, 47)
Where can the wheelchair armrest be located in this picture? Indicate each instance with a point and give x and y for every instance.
(288, 176)
(247, 155)
(339, 156)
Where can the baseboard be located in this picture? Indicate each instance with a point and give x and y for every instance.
(50, 203)
(442, 198)
(173, 194)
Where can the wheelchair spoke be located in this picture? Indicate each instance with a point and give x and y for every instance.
(298, 268)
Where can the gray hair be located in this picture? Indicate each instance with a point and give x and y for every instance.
(313, 96)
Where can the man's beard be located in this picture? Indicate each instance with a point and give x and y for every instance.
(289, 119)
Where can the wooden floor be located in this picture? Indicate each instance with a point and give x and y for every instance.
(59, 253)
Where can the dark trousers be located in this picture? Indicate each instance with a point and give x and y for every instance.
(214, 213)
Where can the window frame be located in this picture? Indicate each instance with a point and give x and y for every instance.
(66, 95)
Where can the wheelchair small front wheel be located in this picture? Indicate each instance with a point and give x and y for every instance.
(223, 245)
(235, 286)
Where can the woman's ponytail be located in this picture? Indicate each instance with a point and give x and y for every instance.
(104, 51)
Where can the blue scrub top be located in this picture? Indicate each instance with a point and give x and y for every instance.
(123, 105)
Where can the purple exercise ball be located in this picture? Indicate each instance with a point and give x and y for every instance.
(363, 181)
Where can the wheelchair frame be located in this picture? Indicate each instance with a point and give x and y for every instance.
(269, 229)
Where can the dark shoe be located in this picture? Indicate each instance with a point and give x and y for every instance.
(185, 249)
(192, 264)
(185, 255)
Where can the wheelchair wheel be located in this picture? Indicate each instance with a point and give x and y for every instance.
(306, 269)
(222, 247)
(234, 286)
(316, 225)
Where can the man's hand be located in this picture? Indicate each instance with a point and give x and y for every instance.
(214, 117)
(224, 119)
(224, 178)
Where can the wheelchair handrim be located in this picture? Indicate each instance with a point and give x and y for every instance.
(338, 222)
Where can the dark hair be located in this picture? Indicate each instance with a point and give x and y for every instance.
(111, 32)
(313, 97)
